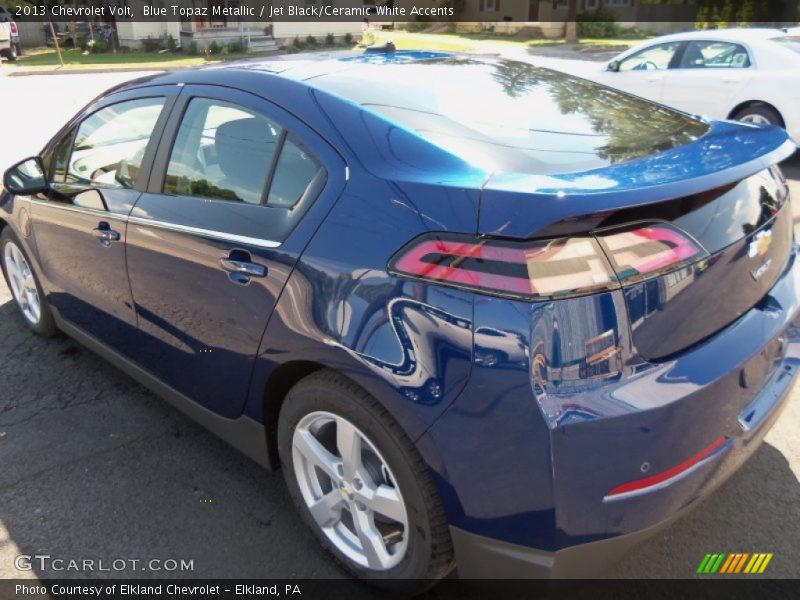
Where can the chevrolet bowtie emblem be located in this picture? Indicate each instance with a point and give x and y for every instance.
(760, 244)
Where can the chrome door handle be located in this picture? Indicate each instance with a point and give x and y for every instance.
(105, 234)
(242, 267)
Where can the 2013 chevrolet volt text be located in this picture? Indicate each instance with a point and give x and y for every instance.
(481, 313)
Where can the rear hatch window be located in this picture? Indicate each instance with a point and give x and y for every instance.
(502, 115)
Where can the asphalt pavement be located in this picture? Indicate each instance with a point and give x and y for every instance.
(93, 466)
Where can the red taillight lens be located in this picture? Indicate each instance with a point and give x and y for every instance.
(530, 270)
(13, 27)
(546, 269)
(649, 250)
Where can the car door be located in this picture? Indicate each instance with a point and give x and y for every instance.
(5, 29)
(643, 72)
(707, 76)
(238, 188)
(97, 169)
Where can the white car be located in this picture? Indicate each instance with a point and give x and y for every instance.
(9, 35)
(745, 74)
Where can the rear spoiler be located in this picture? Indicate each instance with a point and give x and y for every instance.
(523, 206)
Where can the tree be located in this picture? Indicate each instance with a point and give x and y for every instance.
(570, 25)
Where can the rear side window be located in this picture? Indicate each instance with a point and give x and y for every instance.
(296, 174)
(714, 55)
(222, 151)
(509, 116)
(110, 144)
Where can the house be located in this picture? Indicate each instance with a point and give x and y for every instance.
(229, 21)
(546, 17)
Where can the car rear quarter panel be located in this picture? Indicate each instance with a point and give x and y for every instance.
(407, 343)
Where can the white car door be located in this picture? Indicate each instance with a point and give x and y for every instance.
(5, 34)
(643, 72)
(707, 76)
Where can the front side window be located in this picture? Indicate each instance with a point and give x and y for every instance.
(222, 151)
(58, 169)
(110, 144)
(654, 58)
(714, 55)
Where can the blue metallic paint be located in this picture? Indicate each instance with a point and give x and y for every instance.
(526, 413)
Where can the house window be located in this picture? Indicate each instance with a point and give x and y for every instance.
(618, 2)
(560, 3)
(489, 5)
(592, 4)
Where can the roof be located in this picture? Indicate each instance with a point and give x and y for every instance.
(741, 34)
(488, 112)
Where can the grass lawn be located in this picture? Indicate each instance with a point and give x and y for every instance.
(489, 42)
(41, 59)
(46, 59)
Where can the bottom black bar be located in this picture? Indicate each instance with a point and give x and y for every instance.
(731, 588)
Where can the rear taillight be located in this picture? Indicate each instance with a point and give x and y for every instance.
(649, 250)
(530, 270)
(546, 269)
(13, 27)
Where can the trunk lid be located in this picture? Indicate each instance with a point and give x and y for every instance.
(722, 190)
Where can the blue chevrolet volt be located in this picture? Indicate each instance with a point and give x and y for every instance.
(482, 314)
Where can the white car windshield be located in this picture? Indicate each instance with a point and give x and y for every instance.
(792, 42)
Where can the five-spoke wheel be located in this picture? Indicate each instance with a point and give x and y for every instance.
(361, 485)
(350, 490)
(25, 288)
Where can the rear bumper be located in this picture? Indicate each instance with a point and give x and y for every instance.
(528, 476)
(481, 557)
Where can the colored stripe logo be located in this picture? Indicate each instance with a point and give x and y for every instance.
(735, 562)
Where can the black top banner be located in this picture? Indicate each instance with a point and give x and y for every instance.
(231, 12)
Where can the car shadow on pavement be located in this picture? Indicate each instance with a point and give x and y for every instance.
(95, 467)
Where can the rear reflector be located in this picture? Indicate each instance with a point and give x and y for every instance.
(530, 270)
(670, 476)
(547, 269)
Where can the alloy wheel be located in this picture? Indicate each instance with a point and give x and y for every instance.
(350, 491)
(23, 285)
(755, 119)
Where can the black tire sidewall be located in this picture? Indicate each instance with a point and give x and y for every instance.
(46, 325)
(305, 399)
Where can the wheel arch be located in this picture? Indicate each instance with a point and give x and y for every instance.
(279, 383)
(748, 103)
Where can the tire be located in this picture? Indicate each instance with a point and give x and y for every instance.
(759, 113)
(41, 322)
(427, 551)
(11, 53)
